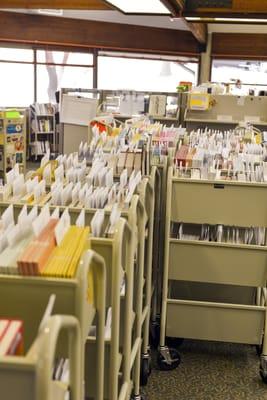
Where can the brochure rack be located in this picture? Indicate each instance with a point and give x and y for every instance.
(214, 291)
(29, 377)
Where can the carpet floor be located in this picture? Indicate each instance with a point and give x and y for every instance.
(209, 371)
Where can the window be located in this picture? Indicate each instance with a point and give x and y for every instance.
(57, 69)
(16, 77)
(54, 70)
(16, 54)
(60, 57)
(52, 78)
(144, 74)
(253, 74)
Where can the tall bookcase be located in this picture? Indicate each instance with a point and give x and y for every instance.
(42, 132)
(12, 139)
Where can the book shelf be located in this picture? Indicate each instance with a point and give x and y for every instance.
(42, 133)
(214, 290)
(12, 139)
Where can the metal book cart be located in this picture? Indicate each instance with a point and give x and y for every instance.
(158, 248)
(120, 352)
(214, 290)
(82, 297)
(123, 350)
(119, 255)
(147, 190)
(136, 302)
(29, 377)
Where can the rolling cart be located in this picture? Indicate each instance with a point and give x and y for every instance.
(29, 377)
(123, 349)
(214, 290)
(82, 297)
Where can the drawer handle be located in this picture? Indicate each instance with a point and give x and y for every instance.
(218, 186)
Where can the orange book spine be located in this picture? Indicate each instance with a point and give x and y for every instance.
(38, 250)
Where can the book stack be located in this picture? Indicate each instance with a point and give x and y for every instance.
(35, 255)
(11, 337)
(64, 259)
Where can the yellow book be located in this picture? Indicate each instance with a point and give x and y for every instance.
(64, 260)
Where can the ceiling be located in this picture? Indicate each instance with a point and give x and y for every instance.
(117, 17)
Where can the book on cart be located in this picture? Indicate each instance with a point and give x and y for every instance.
(11, 337)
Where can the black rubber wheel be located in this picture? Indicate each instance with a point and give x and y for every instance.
(141, 397)
(174, 342)
(263, 376)
(164, 366)
(145, 371)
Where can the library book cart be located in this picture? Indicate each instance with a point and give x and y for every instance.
(162, 164)
(123, 296)
(29, 377)
(214, 290)
(125, 275)
(82, 297)
(125, 260)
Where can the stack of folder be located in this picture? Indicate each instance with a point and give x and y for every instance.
(35, 255)
(64, 259)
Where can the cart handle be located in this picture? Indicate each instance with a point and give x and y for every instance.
(46, 355)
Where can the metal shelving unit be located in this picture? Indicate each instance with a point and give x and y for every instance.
(214, 291)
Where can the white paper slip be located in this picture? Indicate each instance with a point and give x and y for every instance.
(62, 227)
(80, 221)
(41, 221)
(8, 216)
(97, 223)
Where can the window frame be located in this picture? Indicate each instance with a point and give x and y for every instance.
(35, 63)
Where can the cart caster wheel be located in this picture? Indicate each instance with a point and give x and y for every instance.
(174, 342)
(145, 370)
(263, 368)
(168, 359)
(154, 334)
(263, 375)
(137, 397)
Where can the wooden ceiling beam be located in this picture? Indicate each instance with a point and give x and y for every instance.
(56, 4)
(39, 29)
(198, 30)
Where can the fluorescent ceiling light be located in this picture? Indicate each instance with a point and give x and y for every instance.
(140, 6)
(220, 19)
(50, 11)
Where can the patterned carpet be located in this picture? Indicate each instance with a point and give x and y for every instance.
(209, 371)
